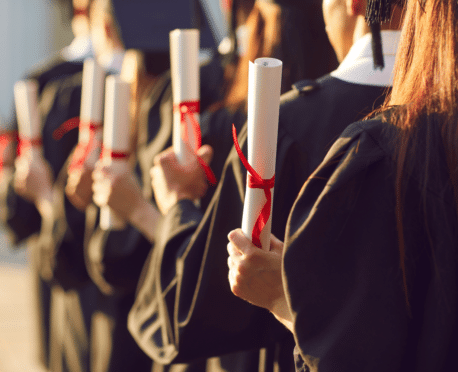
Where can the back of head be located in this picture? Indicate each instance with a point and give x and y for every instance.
(290, 30)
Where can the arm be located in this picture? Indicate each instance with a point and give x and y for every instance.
(120, 190)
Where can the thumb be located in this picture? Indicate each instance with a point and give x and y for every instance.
(206, 153)
(240, 241)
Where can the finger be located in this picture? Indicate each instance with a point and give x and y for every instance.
(230, 263)
(100, 175)
(241, 242)
(206, 153)
(164, 154)
(155, 173)
(232, 250)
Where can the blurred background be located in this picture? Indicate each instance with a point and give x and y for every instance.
(30, 31)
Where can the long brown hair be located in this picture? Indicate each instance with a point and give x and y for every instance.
(296, 36)
(425, 86)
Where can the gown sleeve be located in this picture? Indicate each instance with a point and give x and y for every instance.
(341, 260)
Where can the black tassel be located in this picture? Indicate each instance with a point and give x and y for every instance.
(378, 11)
(377, 51)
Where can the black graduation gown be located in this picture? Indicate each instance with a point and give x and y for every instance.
(60, 244)
(342, 266)
(22, 218)
(55, 256)
(184, 307)
(115, 258)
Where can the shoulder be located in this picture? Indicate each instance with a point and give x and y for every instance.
(328, 103)
(326, 86)
(56, 67)
(374, 136)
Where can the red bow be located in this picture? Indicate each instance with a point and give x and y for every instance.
(255, 181)
(109, 153)
(187, 109)
(80, 11)
(26, 144)
(83, 149)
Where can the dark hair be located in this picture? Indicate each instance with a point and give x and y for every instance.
(295, 35)
(425, 86)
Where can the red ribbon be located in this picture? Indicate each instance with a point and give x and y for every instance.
(80, 11)
(66, 127)
(109, 153)
(187, 109)
(5, 139)
(255, 181)
(226, 5)
(24, 144)
(83, 149)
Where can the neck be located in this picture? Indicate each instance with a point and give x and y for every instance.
(361, 29)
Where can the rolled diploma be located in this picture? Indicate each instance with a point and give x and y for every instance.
(115, 137)
(264, 86)
(184, 65)
(26, 100)
(91, 104)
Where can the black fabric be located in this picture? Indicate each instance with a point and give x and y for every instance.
(64, 314)
(62, 238)
(59, 97)
(341, 260)
(56, 67)
(115, 258)
(185, 291)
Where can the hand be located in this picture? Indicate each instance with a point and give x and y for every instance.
(115, 185)
(173, 182)
(79, 186)
(255, 274)
(33, 178)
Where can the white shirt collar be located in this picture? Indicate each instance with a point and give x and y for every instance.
(112, 63)
(358, 65)
(78, 50)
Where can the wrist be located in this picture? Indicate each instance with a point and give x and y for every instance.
(282, 312)
(145, 218)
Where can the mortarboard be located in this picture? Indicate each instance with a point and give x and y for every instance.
(145, 24)
(289, 3)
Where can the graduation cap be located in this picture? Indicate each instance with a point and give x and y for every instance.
(289, 3)
(145, 24)
(377, 12)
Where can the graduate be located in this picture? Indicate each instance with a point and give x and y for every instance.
(259, 21)
(199, 305)
(115, 257)
(58, 251)
(368, 276)
(19, 213)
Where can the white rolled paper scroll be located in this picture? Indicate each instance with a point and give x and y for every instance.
(115, 138)
(184, 65)
(264, 87)
(91, 108)
(28, 115)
